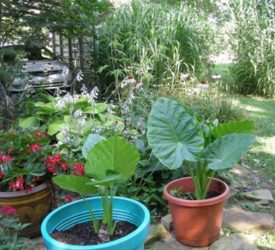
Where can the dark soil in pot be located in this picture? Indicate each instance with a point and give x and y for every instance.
(84, 234)
(191, 196)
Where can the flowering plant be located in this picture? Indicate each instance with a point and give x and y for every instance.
(27, 159)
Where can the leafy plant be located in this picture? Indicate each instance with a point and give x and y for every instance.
(108, 162)
(253, 42)
(10, 228)
(176, 138)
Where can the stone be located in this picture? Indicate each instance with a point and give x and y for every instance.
(166, 221)
(157, 232)
(172, 244)
(261, 194)
(233, 242)
(242, 220)
(263, 202)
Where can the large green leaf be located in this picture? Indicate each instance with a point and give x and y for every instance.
(96, 108)
(55, 126)
(90, 142)
(46, 107)
(173, 134)
(28, 122)
(74, 183)
(233, 127)
(227, 150)
(115, 154)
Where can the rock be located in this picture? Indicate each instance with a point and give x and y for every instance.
(157, 232)
(172, 244)
(242, 220)
(233, 242)
(166, 221)
(261, 194)
(263, 202)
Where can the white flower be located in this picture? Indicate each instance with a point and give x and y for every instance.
(60, 104)
(78, 113)
(111, 109)
(68, 98)
(84, 89)
(79, 76)
(94, 94)
(65, 134)
(127, 81)
(81, 122)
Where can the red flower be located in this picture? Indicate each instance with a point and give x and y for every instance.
(19, 184)
(1, 175)
(78, 169)
(57, 157)
(64, 166)
(35, 147)
(52, 169)
(8, 210)
(5, 158)
(68, 198)
(40, 134)
(12, 185)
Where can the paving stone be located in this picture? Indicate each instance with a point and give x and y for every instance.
(157, 232)
(261, 194)
(242, 220)
(166, 221)
(232, 242)
(172, 244)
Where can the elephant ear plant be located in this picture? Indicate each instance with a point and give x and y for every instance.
(108, 161)
(179, 140)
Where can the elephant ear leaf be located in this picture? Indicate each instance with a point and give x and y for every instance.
(233, 127)
(173, 134)
(227, 150)
(115, 155)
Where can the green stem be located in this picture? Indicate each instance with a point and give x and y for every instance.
(95, 222)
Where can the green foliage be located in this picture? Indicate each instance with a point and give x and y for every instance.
(254, 69)
(110, 161)
(154, 43)
(168, 123)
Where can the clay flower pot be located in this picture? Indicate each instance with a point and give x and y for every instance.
(197, 223)
(31, 206)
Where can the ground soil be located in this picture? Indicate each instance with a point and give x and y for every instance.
(84, 234)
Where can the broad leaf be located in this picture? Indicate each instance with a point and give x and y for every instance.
(227, 150)
(96, 108)
(47, 107)
(115, 154)
(90, 142)
(233, 127)
(173, 134)
(27, 122)
(55, 127)
(74, 183)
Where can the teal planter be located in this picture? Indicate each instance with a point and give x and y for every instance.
(76, 212)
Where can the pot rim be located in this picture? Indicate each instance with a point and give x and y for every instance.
(32, 191)
(138, 230)
(195, 203)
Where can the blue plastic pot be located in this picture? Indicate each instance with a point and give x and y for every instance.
(76, 212)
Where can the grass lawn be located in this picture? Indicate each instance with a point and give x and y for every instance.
(262, 112)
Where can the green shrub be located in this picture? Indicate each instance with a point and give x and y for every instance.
(254, 69)
(154, 43)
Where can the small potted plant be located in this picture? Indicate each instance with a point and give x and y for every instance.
(26, 165)
(178, 140)
(99, 222)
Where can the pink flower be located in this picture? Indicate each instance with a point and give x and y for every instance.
(35, 147)
(19, 184)
(8, 210)
(68, 198)
(1, 175)
(64, 166)
(78, 169)
(5, 158)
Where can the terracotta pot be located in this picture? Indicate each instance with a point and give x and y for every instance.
(197, 223)
(32, 206)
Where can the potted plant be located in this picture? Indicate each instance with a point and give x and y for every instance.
(178, 139)
(99, 222)
(26, 165)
